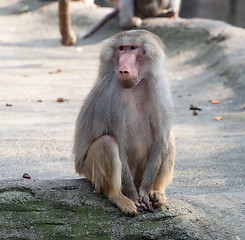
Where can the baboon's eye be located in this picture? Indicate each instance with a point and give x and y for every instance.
(121, 48)
(133, 47)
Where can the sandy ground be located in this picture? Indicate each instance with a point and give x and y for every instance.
(36, 131)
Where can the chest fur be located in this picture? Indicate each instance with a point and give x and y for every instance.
(138, 134)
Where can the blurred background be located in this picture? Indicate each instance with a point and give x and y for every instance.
(231, 11)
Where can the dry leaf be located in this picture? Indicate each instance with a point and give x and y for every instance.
(57, 71)
(218, 118)
(26, 75)
(215, 101)
(60, 99)
(44, 8)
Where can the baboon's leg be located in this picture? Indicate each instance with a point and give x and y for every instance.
(103, 168)
(68, 36)
(165, 175)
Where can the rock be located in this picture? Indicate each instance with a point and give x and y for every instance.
(65, 209)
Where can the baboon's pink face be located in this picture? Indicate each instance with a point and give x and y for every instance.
(129, 60)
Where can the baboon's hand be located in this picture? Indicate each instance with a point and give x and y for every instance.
(145, 203)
